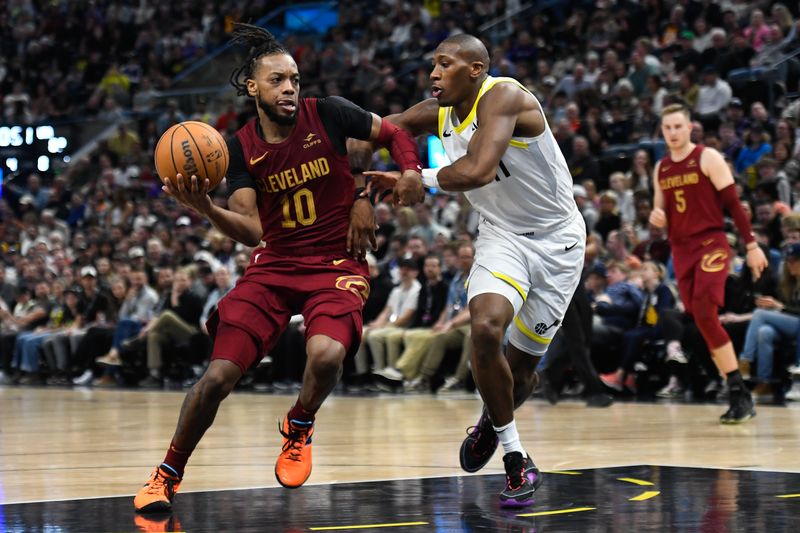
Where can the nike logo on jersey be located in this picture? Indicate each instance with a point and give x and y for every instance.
(707, 242)
(447, 134)
(474, 126)
(337, 262)
(568, 248)
(255, 160)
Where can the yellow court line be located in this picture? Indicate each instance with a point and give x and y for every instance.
(645, 496)
(788, 496)
(635, 481)
(559, 511)
(563, 472)
(367, 526)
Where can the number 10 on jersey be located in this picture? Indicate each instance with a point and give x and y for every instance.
(305, 211)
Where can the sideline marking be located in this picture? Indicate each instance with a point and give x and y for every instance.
(645, 496)
(367, 526)
(560, 511)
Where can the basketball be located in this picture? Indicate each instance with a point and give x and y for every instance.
(192, 148)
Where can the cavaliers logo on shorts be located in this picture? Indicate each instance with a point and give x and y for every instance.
(356, 284)
(714, 261)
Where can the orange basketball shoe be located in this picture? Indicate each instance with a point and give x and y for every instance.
(157, 494)
(294, 463)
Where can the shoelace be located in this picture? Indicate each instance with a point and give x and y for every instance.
(476, 432)
(294, 441)
(155, 487)
(519, 481)
(516, 478)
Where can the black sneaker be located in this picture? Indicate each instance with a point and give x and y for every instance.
(522, 480)
(741, 408)
(479, 446)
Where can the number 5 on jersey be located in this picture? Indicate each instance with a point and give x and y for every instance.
(304, 210)
(680, 201)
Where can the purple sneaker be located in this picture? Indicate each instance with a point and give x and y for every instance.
(479, 446)
(522, 480)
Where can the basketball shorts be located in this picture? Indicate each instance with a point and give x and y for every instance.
(537, 274)
(701, 268)
(329, 291)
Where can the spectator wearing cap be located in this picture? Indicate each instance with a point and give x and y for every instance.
(714, 95)
(97, 308)
(774, 319)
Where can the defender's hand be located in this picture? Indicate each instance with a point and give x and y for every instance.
(361, 231)
(193, 193)
(381, 184)
(409, 189)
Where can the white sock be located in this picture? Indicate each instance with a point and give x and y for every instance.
(510, 438)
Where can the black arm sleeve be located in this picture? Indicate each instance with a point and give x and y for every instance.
(342, 119)
(237, 177)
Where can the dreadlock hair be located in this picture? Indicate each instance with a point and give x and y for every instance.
(261, 43)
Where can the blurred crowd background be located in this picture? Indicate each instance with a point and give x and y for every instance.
(107, 282)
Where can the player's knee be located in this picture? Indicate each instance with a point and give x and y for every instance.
(487, 335)
(216, 385)
(325, 356)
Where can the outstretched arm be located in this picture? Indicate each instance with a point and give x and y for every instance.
(497, 116)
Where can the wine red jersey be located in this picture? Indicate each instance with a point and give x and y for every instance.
(304, 185)
(691, 201)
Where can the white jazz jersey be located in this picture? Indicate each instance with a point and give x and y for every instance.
(532, 189)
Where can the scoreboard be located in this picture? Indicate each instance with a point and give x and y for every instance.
(30, 148)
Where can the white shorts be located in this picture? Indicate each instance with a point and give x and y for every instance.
(537, 274)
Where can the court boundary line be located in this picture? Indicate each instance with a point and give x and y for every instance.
(465, 474)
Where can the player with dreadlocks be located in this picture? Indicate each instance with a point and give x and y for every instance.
(294, 198)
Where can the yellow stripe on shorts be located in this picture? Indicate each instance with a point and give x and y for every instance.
(510, 281)
(528, 333)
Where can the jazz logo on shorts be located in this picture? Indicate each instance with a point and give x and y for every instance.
(714, 261)
(356, 284)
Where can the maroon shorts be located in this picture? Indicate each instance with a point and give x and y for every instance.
(701, 267)
(328, 290)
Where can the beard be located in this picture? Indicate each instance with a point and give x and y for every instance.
(272, 113)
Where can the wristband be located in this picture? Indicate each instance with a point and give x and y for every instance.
(430, 178)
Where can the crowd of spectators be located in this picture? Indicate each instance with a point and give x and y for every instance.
(102, 271)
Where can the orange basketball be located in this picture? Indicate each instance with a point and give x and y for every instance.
(192, 148)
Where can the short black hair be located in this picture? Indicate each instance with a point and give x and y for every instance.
(470, 48)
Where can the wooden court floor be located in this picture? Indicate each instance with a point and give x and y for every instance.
(79, 444)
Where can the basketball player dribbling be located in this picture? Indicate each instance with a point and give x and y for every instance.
(692, 184)
(293, 197)
(530, 247)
